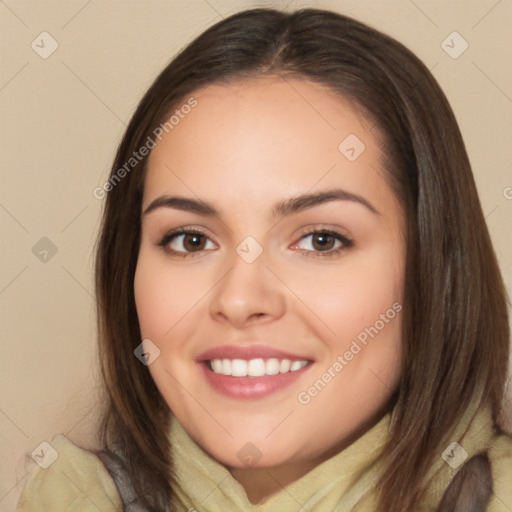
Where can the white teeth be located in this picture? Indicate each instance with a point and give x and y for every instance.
(255, 367)
(239, 368)
(285, 366)
(296, 365)
(272, 366)
(217, 365)
(226, 367)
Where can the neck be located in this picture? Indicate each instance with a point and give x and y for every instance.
(260, 483)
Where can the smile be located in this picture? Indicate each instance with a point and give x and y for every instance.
(251, 370)
(254, 367)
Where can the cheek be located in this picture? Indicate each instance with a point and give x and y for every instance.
(164, 294)
(150, 297)
(359, 306)
(353, 297)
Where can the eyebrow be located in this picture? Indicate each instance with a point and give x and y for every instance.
(282, 208)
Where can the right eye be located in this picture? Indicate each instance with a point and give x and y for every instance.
(193, 240)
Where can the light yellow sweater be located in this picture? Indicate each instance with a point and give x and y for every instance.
(78, 482)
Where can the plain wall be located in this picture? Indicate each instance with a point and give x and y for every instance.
(62, 118)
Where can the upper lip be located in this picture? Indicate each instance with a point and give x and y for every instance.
(247, 352)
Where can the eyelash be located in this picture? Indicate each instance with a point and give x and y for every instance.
(346, 242)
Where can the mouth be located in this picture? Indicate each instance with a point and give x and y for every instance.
(251, 372)
(254, 367)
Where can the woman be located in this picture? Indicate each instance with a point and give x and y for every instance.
(294, 250)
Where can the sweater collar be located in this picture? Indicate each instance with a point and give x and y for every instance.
(343, 482)
(202, 483)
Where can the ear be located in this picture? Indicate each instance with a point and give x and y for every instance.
(471, 488)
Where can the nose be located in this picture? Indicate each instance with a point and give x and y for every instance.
(248, 293)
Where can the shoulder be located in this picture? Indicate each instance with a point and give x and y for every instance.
(500, 457)
(67, 479)
(482, 482)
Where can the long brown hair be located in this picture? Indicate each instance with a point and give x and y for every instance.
(455, 329)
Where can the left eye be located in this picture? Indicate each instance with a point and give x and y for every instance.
(323, 243)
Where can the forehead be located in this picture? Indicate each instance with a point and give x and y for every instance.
(264, 137)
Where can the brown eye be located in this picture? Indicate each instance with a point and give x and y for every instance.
(324, 243)
(193, 242)
(184, 242)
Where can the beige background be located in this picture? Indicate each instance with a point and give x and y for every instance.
(62, 118)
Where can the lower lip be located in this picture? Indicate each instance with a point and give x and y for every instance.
(251, 388)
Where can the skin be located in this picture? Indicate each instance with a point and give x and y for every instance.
(244, 147)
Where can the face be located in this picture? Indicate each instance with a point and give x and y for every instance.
(302, 296)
